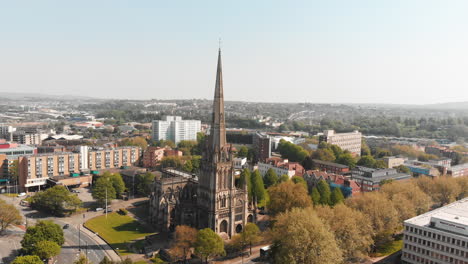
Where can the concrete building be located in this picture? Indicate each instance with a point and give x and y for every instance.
(175, 129)
(108, 158)
(22, 137)
(281, 167)
(262, 146)
(330, 167)
(6, 132)
(441, 151)
(240, 163)
(458, 170)
(347, 141)
(437, 237)
(393, 162)
(369, 179)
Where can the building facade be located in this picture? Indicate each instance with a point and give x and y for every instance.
(211, 199)
(458, 170)
(152, 156)
(280, 167)
(347, 141)
(108, 158)
(330, 166)
(393, 162)
(437, 237)
(370, 179)
(262, 146)
(175, 129)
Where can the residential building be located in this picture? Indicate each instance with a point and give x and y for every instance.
(22, 137)
(107, 158)
(6, 132)
(281, 167)
(369, 178)
(13, 149)
(347, 186)
(441, 151)
(175, 129)
(240, 163)
(393, 162)
(152, 156)
(347, 141)
(433, 168)
(437, 237)
(330, 167)
(458, 170)
(262, 146)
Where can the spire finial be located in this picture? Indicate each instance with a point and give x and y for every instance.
(219, 43)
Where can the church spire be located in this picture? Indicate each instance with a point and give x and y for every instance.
(218, 127)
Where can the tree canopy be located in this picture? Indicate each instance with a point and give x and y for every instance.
(8, 215)
(102, 186)
(144, 183)
(287, 195)
(46, 249)
(291, 151)
(29, 259)
(258, 188)
(209, 244)
(43, 230)
(56, 200)
(270, 178)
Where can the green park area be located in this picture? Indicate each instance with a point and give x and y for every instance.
(121, 232)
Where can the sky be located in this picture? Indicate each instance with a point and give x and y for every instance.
(388, 51)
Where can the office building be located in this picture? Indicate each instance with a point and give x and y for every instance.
(369, 179)
(347, 141)
(175, 129)
(6, 132)
(393, 162)
(439, 236)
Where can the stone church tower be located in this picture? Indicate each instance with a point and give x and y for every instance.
(221, 206)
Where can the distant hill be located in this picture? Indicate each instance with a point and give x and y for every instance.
(454, 105)
(44, 96)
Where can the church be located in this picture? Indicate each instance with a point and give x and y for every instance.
(209, 199)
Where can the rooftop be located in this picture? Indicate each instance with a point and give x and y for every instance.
(330, 164)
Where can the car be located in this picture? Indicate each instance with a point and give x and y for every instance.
(99, 209)
(75, 191)
(66, 226)
(22, 194)
(108, 210)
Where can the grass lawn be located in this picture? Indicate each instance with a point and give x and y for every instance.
(10, 194)
(118, 230)
(388, 248)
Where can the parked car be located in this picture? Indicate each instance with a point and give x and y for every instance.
(75, 191)
(99, 209)
(66, 226)
(108, 210)
(22, 194)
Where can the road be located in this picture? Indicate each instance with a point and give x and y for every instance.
(10, 244)
(69, 252)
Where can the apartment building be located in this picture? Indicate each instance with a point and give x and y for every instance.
(330, 167)
(458, 170)
(437, 237)
(281, 166)
(22, 137)
(152, 156)
(347, 141)
(175, 129)
(108, 158)
(262, 146)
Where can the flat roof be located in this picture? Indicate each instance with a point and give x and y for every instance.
(455, 212)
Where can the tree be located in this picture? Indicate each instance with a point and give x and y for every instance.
(403, 169)
(287, 195)
(135, 141)
(145, 182)
(463, 183)
(366, 161)
(165, 143)
(8, 215)
(187, 167)
(43, 230)
(315, 195)
(46, 249)
(209, 244)
(445, 190)
(171, 162)
(307, 163)
(118, 184)
(291, 151)
(56, 200)
(187, 146)
(258, 188)
(346, 159)
(82, 260)
(300, 237)
(336, 196)
(106, 260)
(380, 164)
(325, 193)
(195, 163)
(352, 230)
(283, 178)
(365, 150)
(323, 155)
(245, 179)
(270, 178)
(243, 152)
(102, 186)
(250, 235)
(27, 260)
(185, 238)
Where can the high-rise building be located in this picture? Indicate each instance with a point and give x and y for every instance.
(347, 141)
(438, 236)
(210, 199)
(262, 146)
(175, 129)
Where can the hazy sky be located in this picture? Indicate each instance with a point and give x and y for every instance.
(408, 51)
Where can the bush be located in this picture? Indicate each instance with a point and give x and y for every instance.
(123, 211)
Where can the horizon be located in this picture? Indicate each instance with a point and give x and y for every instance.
(332, 53)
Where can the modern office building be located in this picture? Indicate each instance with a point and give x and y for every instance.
(175, 129)
(369, 179)
(437, 237)
(347, 141)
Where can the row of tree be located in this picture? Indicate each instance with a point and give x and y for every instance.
(108, 186)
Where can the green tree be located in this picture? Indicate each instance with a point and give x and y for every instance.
(82, 260)
(291, 151)
(165, 143)
(271, 178)
(250, 235)
(325, 193)
(324, 155)
(145, 182)
(258, 188)
(367, 161)
(336, 196)
(8, 215)
(195, 163)
(283, 178)
(245, 179)
(315, 195)
(300, 237)
(299, 180)
(102, 186)
(287, 195)
(118, 184)
(209, 244)
(27, 260)
(403, 169)
(380, 164)
(106, 260)
(188, 167)
(136, 141)
(171, 162)
(43, 230)
(243, 152)
(56, 200)
(307, 163)
(346, 159)
(46, 249)
(365, 150)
